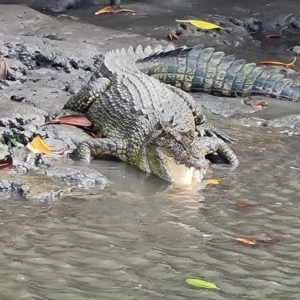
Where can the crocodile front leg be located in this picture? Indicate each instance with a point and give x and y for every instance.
(214, 144)
(87, 95)
(100, 147)
(80, 102)
(204, 128)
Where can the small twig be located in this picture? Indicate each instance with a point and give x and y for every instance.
(295, 168)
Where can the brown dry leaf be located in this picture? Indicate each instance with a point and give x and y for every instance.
(245, 204)
(112, 10)
(246, 240)
(172, 37)
(211, 181)
(290, 65)
(3, 69)
(74, 119)
(6, 163)
(36, 145)
(274, 35)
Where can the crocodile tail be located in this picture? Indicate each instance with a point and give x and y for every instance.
(203, 69)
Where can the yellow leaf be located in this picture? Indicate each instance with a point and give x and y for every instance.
(210, 181)
(201, 24)
(38, 146)
(246, 240)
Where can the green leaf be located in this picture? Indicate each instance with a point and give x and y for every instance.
(196, 282)
(13, 142)
(201, 24)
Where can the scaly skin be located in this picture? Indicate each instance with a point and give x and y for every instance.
(149, 124)
(204, 70)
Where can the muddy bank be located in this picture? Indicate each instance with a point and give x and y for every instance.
(50, 59)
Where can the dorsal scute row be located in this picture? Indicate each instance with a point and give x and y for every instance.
(138, 51)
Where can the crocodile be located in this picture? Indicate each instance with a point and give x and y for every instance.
(151, 125)
(200, 69)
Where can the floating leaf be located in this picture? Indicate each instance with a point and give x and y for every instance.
(112, 10)
(250, 241)
(201, 24)
(74, 119)
(246, 240)
(290, 65)
(211, 181)
(196, 282)
(269, 241)
(3, 69)
(13, 142)
(172, 37)
(38, 146)
(6, 163)
(245, 204)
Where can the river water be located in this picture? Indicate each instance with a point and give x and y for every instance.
(140, 239)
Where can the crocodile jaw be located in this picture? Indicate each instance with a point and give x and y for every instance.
(182, 175)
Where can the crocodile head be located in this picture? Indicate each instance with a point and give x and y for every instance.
(177, 157)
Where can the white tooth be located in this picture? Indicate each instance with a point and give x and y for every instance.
(118, 53)
(130, 51)
(148, 50)
(123, 52)
(169, 47)
(158, 48)
(139, 50)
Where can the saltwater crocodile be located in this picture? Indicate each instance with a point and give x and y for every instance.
(152, 125)
(203, 69)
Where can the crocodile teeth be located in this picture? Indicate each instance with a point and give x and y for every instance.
(148, 50)
(118, 53)
(139, 50)
(169, 47)
(130, 50)
(123, 52)
(158, 48)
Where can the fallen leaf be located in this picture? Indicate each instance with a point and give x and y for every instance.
(197, 282)
(250, 241)
(269, 241)
(244, 204)
(36, 145)
(257, 104)
(211, 181)
(112, 10)
(6, 163)
(274, 35)
(290, 65)
(3, 69)
(201, 24)
(246, 240)
(58, 150)
(172, 37)
(74, 119)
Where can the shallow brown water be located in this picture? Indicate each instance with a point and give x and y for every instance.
(139, 240)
